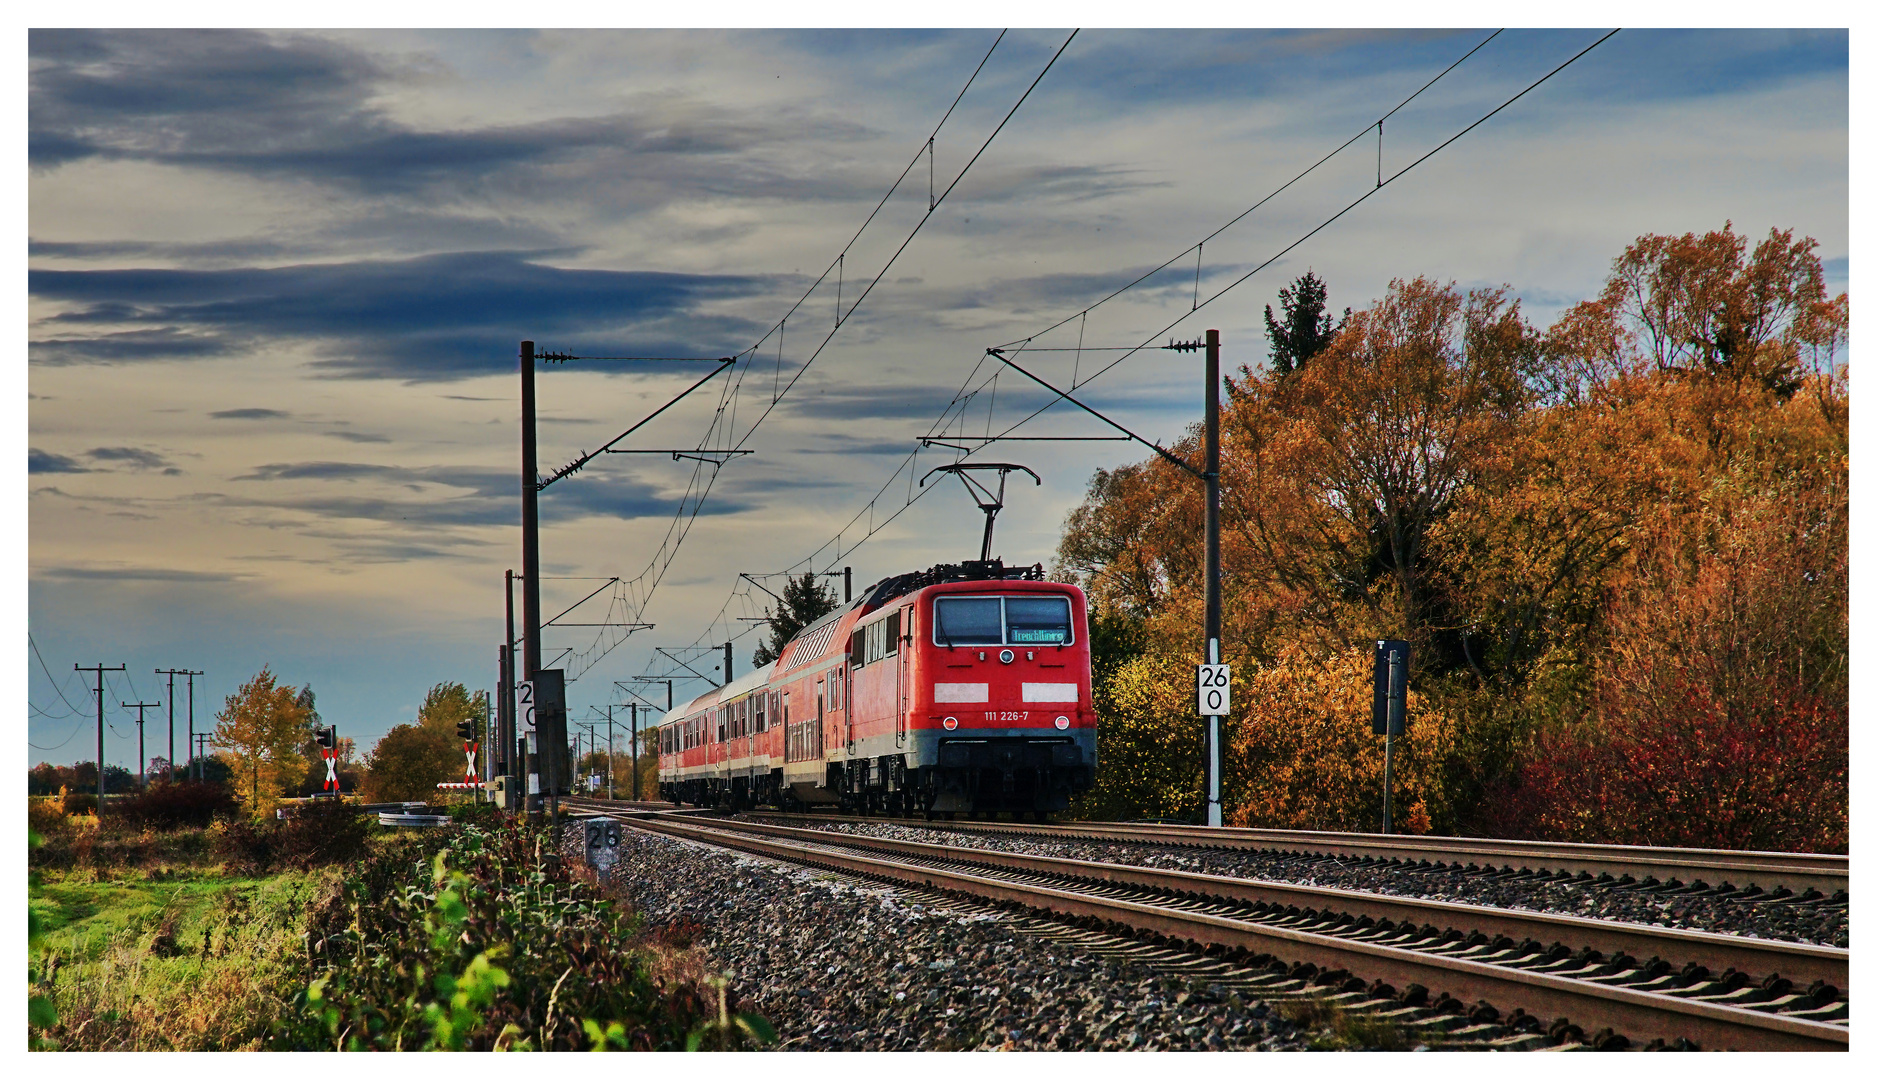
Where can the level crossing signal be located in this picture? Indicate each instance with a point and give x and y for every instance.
(328, 739)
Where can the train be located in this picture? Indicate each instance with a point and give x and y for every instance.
(959, 689)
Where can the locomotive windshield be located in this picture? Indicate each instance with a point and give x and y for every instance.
(970, 620)
(1002, 620)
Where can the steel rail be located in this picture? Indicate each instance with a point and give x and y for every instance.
(1797, 871)
(1635, 1013)
(1799, 962)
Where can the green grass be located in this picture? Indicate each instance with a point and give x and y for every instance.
(191, 961)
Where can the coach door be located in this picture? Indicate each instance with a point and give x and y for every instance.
(847, 703)
(900, 627)
(821, 714)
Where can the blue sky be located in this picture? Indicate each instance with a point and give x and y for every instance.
(276, 281)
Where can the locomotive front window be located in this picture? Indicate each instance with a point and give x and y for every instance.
(1001, 620)
(1037, 620)
(969, 620)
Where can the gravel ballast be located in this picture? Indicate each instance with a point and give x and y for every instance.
(1818, 924)
(836, 964)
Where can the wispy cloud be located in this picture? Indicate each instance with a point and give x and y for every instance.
(130, 573)
(249, 414)
(44, 461)
(435, 317)
(130, 456)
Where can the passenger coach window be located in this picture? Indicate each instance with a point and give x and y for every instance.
(969, 620)
(1037, 620)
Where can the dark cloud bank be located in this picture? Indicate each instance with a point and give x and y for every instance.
(435, 317)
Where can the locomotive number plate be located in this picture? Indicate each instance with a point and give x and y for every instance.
(1006, 717)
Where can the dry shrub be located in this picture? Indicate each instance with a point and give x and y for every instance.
(319, 834)
(1302, 755)
(47, 818)
(1721, 713)
(169, 805)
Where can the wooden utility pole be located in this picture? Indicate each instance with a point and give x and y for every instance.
(140, 706)
(100, 669)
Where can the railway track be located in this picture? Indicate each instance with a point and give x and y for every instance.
(1695, 871)
(1354, 947)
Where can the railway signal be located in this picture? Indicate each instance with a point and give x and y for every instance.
(1389, 714)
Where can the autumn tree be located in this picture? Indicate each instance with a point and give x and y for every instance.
(1338, 473)
(1619, 547)
(259, 731)
(448, 704)
(412, 759)
(803, 601)
(408, 764)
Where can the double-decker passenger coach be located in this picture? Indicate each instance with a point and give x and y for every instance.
(962, 688)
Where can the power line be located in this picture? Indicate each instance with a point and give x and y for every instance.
(869, 509)
(48, 671)
(700, 486)
(56, 746)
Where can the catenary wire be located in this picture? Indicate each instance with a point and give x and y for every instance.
(869, 509)
(700, 485)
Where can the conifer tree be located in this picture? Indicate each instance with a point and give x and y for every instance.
(1307, 328)
(803, 601)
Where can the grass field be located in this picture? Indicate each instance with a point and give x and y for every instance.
(193, 960)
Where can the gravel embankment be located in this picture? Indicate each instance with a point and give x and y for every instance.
(1810, 923)
(841, 965)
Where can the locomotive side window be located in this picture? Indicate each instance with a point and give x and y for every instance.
(857, 648)
(892, 634)
(969, 620)
(1037, 620)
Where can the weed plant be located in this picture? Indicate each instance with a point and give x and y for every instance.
(472, 937)
(481, 943)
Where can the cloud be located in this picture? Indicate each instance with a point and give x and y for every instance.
(357, 436)
(435, 317)
(491, 496)
(130, 573)
(44, 461)
(164, 343)
(306, 108)
(249, 414)
(129, 455)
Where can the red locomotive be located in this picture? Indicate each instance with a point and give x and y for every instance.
(963, 688)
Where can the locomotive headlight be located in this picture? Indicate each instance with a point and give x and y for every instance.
(951, 723)
(1006, 656)
(1062, 723)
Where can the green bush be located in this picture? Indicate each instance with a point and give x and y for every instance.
(480, 943)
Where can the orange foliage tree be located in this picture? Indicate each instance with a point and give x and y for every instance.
(1619, 545)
